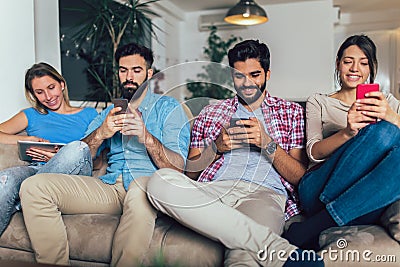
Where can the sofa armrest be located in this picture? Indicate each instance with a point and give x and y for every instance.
(9, 156)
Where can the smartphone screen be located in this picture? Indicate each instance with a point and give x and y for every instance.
(362, 89)
(123, 103)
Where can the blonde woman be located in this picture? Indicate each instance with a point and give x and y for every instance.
(50, 119)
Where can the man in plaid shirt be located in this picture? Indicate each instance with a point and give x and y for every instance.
(246, 154)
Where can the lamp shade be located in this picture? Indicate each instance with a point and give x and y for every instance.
(246, 12)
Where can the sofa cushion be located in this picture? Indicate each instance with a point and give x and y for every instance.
(176, 245)
(9, 156)
(90, 238)
(362, 245)
(15, 236)
(391, 220)
(85, 241)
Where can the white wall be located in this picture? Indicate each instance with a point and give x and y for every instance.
(29, 34)
(384, 29)
(17, 51)
(47, 33)
(396, 71)
(168, 30)
(303, 40)
(300, 38)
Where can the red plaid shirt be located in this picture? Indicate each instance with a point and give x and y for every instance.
(285, 124)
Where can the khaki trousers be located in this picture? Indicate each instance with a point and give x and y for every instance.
(245, 217)
(44, 197)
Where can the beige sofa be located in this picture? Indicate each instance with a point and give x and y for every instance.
(90, 238)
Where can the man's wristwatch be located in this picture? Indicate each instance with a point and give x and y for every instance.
(271, 148)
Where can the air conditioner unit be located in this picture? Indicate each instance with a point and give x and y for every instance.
(217, 20)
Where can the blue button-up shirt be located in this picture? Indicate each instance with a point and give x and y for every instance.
(165, 119)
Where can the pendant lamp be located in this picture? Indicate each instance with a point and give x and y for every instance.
(247, 13)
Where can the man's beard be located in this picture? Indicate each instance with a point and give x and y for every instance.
(129, 92)
(250, 100)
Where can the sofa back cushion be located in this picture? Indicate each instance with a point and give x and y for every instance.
(391, 220)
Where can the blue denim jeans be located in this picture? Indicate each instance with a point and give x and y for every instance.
(360, 177)
(73, 158)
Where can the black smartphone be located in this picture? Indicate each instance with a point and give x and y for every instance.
(120, 102)
(232, 122)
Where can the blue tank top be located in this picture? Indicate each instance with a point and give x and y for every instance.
(59, 128)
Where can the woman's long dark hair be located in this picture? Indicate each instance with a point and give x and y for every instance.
(367, 46)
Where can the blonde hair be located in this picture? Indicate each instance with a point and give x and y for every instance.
(37, 71)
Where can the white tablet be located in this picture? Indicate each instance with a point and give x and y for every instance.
(25, 145)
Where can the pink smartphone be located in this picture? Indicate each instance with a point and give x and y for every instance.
(364, 88)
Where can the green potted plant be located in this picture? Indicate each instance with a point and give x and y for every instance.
(213, 82)
(105, 25)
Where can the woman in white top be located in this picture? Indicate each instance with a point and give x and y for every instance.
(354, 170)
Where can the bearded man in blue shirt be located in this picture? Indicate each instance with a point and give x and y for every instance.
(153, 134)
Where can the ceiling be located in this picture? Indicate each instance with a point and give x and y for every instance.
(346, 6)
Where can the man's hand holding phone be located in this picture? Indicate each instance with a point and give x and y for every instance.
(237, 122)
(112, 124)
(134, 125)
(249, 132)
(224, 142)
